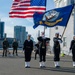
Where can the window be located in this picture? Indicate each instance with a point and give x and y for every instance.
(64, 42)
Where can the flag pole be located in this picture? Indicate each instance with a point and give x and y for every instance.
(63, 32)
(45, 26)
(44, 30)
(66, 26)
(62, 54)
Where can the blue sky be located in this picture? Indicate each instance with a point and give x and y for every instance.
(5, 6)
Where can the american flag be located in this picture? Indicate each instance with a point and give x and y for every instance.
(27, 8)
(15, 4)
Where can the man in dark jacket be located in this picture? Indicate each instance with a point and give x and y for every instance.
(56, 48)
(15, 46)
(72, 47)
(5, 47)
(42, 49)
(28, 47)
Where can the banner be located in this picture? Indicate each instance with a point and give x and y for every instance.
(54, 17)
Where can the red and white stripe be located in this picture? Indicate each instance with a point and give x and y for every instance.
(15, 4)
(24, 10)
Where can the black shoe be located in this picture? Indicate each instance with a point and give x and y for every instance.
(26, 66)
(44, 66)
(74, 66)
(41, 66)
(57, 66)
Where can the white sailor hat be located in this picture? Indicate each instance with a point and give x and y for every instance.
(57, 33)
(29, 35)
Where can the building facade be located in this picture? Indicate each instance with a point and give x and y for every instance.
(20, 34)
(1, 29)
(69, 32)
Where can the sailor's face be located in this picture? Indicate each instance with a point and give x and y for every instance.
(74, 37)
(57, 35)
(42, 34)
(29, 37)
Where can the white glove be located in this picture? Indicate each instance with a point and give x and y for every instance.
(60, 41)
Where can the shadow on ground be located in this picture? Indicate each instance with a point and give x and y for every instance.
(61, 69)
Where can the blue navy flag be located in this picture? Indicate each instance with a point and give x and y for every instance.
(54, 17)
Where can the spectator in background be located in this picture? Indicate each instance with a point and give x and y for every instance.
(5, 47)
(15, 46)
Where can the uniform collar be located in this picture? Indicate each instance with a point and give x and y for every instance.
(28, 40)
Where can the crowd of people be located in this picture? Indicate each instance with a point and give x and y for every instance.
(41, 48)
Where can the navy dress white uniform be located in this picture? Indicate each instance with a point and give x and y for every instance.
(42, 50)
(72, 47)
(56, 49)
(28, 47)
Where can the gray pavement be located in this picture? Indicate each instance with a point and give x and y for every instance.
(14, 65)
